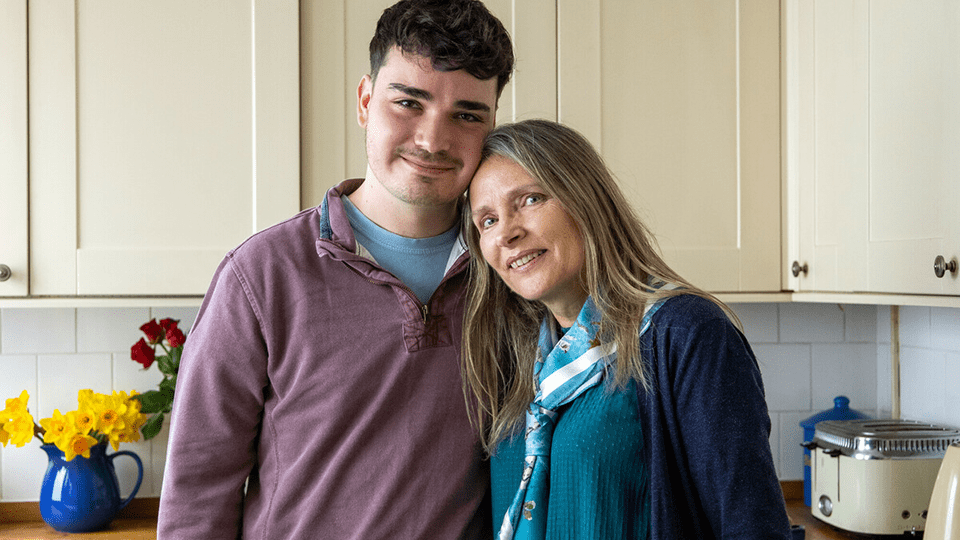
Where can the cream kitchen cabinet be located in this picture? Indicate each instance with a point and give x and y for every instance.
(161, 134)
(871, 138)
(13, 148)
(682, 99)
(336, 37)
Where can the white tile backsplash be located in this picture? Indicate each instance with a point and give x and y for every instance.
(845, 369)
(808, 353)
(38, 330)
(915, 326)
(945, 329)
(786, 375)
(811, 323)
(109, 329)
(790, 453)
(759, 322)
(62, 376)
(860, 324)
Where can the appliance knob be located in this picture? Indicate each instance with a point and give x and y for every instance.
(5, 272)
(941, 266)
(825, 505)
(797, 269)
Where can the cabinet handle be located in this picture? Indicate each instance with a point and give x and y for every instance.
(5, 272)
(797, 269)
(941, 266)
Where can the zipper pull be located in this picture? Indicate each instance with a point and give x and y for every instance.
(425, 311)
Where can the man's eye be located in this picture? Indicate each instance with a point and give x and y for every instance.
(408, 103)
(469, 117)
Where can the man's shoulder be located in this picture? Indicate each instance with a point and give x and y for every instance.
(304, 227)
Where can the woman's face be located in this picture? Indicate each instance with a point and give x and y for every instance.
(528, 238)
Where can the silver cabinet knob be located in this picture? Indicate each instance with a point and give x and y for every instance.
(941, 266)
(797, 269)
(5, 272)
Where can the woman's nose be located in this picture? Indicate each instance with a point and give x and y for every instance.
(510, 231)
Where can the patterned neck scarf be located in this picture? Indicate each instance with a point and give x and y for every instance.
(564, 369)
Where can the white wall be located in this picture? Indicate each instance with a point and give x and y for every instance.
(809, 353)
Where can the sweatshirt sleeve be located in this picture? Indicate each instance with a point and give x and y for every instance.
(716, 443)
(216, 415)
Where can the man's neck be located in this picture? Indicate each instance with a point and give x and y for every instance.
(399, 217)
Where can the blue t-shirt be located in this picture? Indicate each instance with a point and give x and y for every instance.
(417, 262)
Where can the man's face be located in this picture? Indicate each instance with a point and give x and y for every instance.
(424, 128)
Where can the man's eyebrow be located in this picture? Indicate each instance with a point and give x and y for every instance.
(419, 93)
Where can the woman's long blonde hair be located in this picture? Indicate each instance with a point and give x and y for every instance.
(501, 328)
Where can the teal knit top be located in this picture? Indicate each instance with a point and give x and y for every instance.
(598, 479)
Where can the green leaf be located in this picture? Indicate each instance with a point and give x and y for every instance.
(155, 401)
(165, 364)
(152, 427)
(168, 384)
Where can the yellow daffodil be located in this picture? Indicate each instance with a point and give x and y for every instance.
(56, 427)
(78, 445)
(116, 418)
(83, 420)
(20, 428)
(14, 406)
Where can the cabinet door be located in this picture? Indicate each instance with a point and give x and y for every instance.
(336, 56)
(826, 142)
(13, 147)
(913, 198)
(872, 130)
(682, 99)
(162, 134)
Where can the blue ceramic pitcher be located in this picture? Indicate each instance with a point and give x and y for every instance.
(83, 494)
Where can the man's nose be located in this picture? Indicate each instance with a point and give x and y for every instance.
(434, 134)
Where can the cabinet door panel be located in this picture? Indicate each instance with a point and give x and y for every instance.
(682, 99)
(175, 130)
(914, 134)
(829, 161)
(13, 146)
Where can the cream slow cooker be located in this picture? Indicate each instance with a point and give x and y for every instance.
(876, 476)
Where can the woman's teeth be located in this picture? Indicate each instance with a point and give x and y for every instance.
(520, 262)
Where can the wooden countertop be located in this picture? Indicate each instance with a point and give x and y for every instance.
(138, 521)
(22, 521)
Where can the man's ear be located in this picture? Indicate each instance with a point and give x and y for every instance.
(364, 93)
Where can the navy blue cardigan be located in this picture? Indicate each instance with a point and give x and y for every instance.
(707, 429)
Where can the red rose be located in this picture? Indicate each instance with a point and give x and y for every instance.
(142, 353)
(167, 324)
(175, 336)
(153, 331)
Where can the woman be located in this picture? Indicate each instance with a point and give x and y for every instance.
(593, 432)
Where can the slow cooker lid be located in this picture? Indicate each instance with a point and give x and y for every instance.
(885, 439)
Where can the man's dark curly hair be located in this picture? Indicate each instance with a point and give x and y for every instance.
(453, 34)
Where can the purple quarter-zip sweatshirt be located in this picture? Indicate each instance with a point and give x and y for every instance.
(320, 377)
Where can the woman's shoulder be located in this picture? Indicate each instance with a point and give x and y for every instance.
(688, 309)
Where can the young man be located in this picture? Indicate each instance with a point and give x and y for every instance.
(319, 394)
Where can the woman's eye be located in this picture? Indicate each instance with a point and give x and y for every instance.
(487, 222)
(532, 199)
